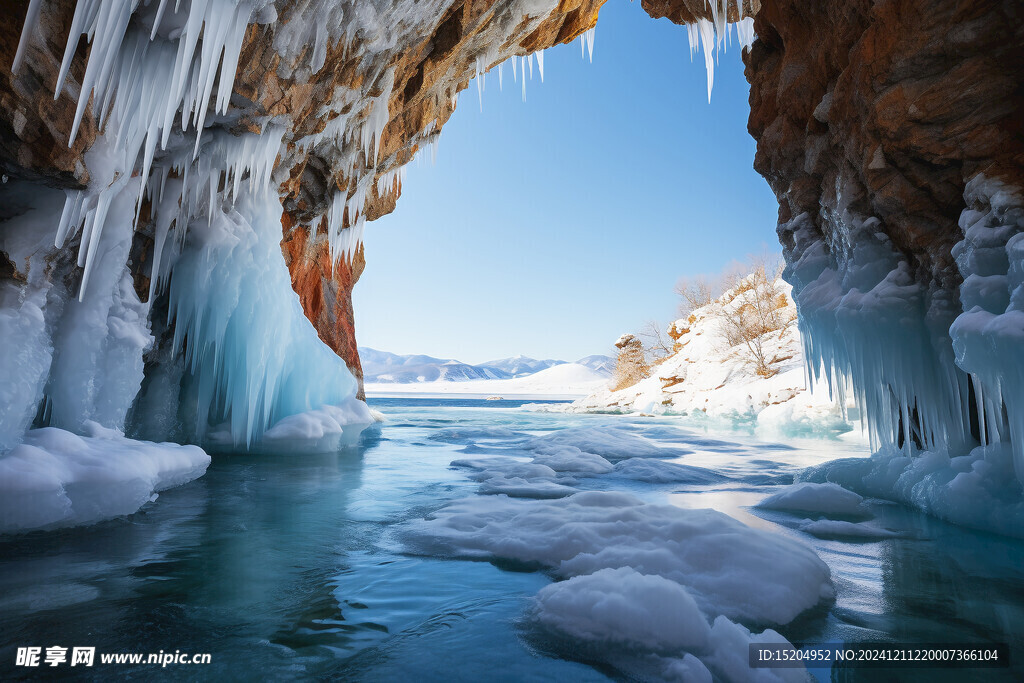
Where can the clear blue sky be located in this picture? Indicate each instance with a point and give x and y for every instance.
(550, 227)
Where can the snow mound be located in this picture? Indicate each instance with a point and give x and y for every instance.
(828, 499)
(59, 479)
(728, 568)
(623, 607)
(978, 490)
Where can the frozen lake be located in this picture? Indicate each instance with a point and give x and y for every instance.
(321, 565)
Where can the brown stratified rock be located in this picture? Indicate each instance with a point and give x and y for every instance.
(325, 287)
(892, 104)
(34, 128)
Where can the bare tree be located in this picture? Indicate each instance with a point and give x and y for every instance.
(694, 292)
(758, 308)
(631, 365)
(657, 344)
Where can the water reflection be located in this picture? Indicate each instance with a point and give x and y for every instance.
(286, 566)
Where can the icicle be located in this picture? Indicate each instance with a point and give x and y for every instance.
(540, 64)
(500, 75)
(707, 39)
(31, 19)
(478, 77)
(522, 68)
(587, 38)
(745, 32)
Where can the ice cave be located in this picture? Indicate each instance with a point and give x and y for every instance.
(185, 190)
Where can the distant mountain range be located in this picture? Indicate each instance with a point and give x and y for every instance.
(384, 367)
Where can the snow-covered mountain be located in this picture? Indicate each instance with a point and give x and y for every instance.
(564, 380)
(382, 367)
(603, 365)
(521, 366)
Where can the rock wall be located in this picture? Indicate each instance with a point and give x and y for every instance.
(873, 119)
(888, 108)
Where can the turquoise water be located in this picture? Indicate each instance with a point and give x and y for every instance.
(284, 567)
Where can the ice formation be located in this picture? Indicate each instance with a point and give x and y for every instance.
(156, 73)
(978, 489)
(930, 373)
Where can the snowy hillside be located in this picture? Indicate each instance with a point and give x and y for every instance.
(709, 378)
(565, 380)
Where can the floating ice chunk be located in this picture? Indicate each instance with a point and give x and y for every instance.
(729, 659)
(809, 497)
(661, 472)
(518, 487)
(58, 479)
(830, 528)
(570, 459)
(469, 434)
(726, 566)
(623, 607)
(612, 442)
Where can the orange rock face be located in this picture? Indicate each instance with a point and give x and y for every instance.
(325, 287)
(34, 127)
(896, 104)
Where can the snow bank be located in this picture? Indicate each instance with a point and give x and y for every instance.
(978, 490)
(59, 479)
(727, 567)
(828, 499)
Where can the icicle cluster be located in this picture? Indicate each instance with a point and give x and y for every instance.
(869, 327)
(715, 35)
(154, 72)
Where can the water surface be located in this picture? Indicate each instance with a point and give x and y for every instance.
(285, 567)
